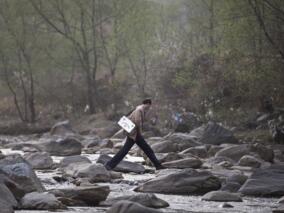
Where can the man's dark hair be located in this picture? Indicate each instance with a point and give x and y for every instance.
(147, 101)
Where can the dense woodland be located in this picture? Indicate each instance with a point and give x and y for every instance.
(87, 56)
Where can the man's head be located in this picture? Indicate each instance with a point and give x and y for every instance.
(147, 103)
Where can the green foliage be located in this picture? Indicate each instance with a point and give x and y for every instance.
(200, 50)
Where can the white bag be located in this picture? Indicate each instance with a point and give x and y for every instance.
(126, 124)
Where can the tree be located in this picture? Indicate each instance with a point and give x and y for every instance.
(19, 56)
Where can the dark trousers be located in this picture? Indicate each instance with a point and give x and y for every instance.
(127, 146)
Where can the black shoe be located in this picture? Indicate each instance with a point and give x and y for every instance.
(107, 167)
(160, 167)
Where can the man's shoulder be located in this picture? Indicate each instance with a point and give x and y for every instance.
(139, 107)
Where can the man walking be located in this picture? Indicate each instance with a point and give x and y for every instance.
(137, 116)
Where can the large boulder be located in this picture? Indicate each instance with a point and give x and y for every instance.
(263, 152)
(105, 143)
(226, 175)
(213, 133)
(250, 161)
(62, 147)
(188, 181)
(237, 178)
(23, 146)
(222, 196)
(21, 172)
(184, 163)
(198, 151)
(231, 187)
(123, 166)
(41, 201)
(235, 152)
(17, 191)
(39, 160)
(212, 162)
(183, 139)
(6, 207)
(71, 164)
(82, 196)
(281, 200)
(265, 182)
(94, 173)
(145, 199)
(163, 157)
(165, 147)
(75, 159)
(130, 207)
(176, 142)
(7, 196)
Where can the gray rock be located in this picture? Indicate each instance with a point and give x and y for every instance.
(41, 201)
(225, 174)
(123, 166)
(231, 187)
(21, 172)
(250, 161)
(14, 188)
(278, 155)
(265, 182)
(238, 178)
(188, 181)
(225, 164)
(281, 200)
(263, 152)
(39, 160)
(130, 207)
(146, 199)
(184, 163)
(211, 162)
(66, 161)
(82, 196)
(226, 205)
(198, 151)
(6, 207)
(167, 157)
(279, 209)
(234, 152)
(1, 155)
(213, 133)
(62, 129)
(94, 173)
(165, 147)
(72, 168)
(182, 140)
(163, 157)
(106, 143)
(7, 196)
(23, 146)
(62, 147)
(213, 149)
(222, 196)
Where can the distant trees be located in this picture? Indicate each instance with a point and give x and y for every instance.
(77, 53)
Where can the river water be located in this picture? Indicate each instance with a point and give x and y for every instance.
(178, 204)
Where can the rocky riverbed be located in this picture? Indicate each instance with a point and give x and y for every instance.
(208, 170)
